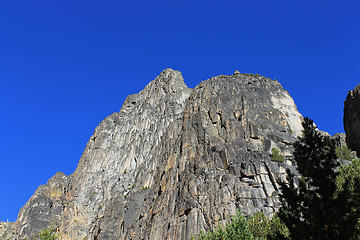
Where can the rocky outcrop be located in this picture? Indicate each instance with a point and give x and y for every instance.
(352, 119)
(173, 161)
(7, 231)
(339, 139)
(45, 207)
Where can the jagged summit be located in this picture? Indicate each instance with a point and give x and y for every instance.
(169, 84)
(353, 93)
(169, 79)
(173, 161)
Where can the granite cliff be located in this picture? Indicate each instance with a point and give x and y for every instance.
(173, 161)
(352, 119)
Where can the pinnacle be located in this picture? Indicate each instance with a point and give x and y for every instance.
(168, 70)
(170, 76)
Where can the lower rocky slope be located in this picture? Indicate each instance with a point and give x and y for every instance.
(173, 161)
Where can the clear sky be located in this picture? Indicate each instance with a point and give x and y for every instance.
(66, 65)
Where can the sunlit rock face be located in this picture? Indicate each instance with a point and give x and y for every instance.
(173, 161)
(352, 119)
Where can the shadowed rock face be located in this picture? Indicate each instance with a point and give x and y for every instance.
(173, 161)
(352, 119)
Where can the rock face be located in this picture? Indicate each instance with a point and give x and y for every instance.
(339, 139)
(173, 161)
(352, 119)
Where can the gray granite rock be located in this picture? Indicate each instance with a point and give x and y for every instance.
(174, 161)
(339, 139)
(7, 231)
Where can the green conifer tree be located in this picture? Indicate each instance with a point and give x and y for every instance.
(348, 200)
(308, 203)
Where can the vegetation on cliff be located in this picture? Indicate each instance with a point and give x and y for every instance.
(257, 227)
(322, 202)
(47, 234)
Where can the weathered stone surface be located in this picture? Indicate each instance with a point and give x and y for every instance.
(45, 207)
(352, 119)
(339, 139)
(230, 124)
(173, 161)
(7, 231)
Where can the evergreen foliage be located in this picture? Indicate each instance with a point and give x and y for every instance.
(343, 153)
(325, 202)
(238, 228)
(263, 228)
(348, 199)
(276, 155)
(257, 227)
(46, 234)
(277, 230)
(308, 210)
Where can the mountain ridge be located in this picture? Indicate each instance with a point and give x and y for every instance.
(161, 166)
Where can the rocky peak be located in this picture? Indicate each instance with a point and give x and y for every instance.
(352, 94)
(174, 161)
(168, 82)
(169, 86)
(170, 78)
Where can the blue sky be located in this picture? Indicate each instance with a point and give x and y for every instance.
(66, 65)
